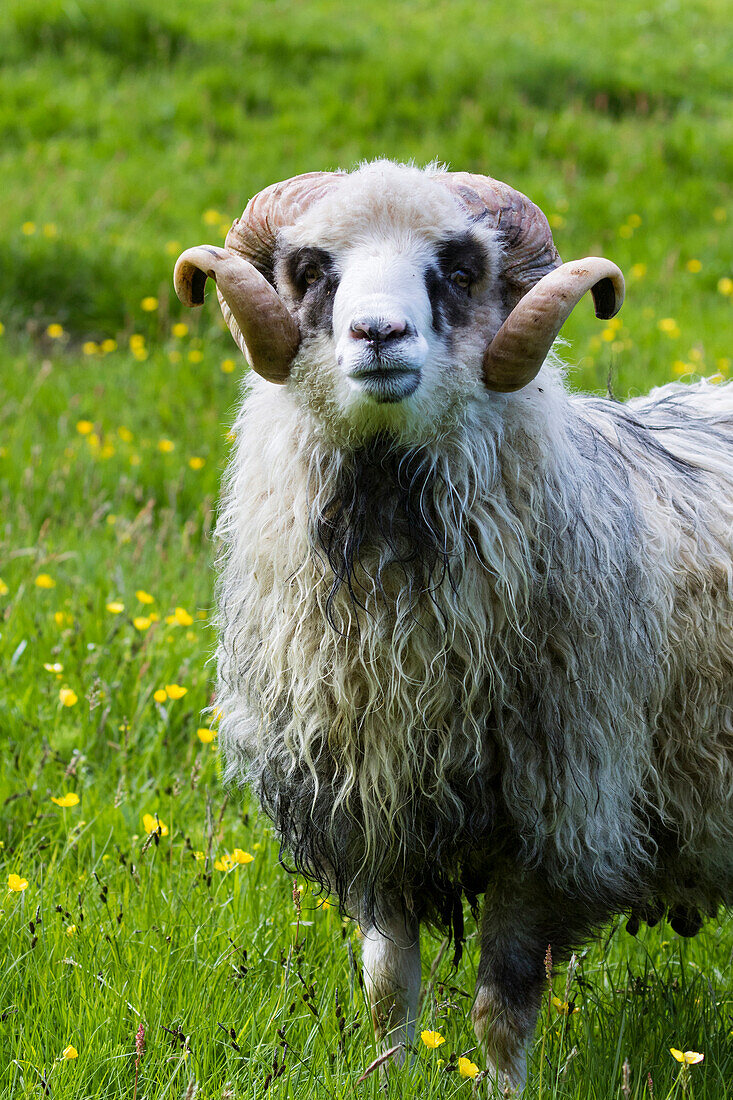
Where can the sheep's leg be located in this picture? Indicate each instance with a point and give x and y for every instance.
(516, 928)
(392, 973)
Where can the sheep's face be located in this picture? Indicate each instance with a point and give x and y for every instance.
(396, 292)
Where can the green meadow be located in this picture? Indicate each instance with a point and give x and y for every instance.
(151, 945)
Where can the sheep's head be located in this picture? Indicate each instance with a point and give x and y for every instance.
(385, 295)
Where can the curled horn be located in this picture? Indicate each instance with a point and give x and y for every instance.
(269, 334)
(541, 291)
(520, 347)
(260, 322)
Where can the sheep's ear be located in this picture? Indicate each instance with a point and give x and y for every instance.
(259, 320)
(520, 347)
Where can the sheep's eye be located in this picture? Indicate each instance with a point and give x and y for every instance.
(461, 278)
(311, 274)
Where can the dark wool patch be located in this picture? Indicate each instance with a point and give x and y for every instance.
(445, 865)
(381, 522)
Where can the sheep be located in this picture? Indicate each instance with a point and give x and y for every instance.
(476, 631)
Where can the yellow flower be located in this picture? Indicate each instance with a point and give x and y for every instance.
(432, 1039)
(149, 304)
(694, 266)
(172, 248)
(50, 231)
(70, 929)
(69, 1053)
(228, 365)
(151, 825)
(28, 228)
(44, 581)
(669, 326)
(634, 221)
(89, 347)
(55, 667)
(66, 800)
(141, 622)
(205, 735)
(175, 691)
(638, 271)
(68, 697)
(199, 856)
(467, 1068)
(144, 597)
(182, 617)
(2, 328)
(725, 286)
(180, 329)
(160, 695)
(115, 607)
(55, 331)
(137, 341)
(16, 884)
(681, 367)
(211, 217)
(165, 446)
(196, 462)
(63, 618)
(239, 856)
(563, 1007)
(625, 231)
(195, 356)
(108, 345)
(723, 365)
(3, 588)
(687, 1057)
(223, 864)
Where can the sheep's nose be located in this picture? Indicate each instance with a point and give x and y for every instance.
(377, 329)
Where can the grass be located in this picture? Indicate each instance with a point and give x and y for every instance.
(129, 131)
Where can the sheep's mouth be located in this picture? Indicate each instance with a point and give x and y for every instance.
(386, 384)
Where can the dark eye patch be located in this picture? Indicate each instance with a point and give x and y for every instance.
(301, 260)
(315, 308)
(462, 253)
(450, 302)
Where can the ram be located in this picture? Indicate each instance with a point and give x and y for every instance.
(476, 632)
